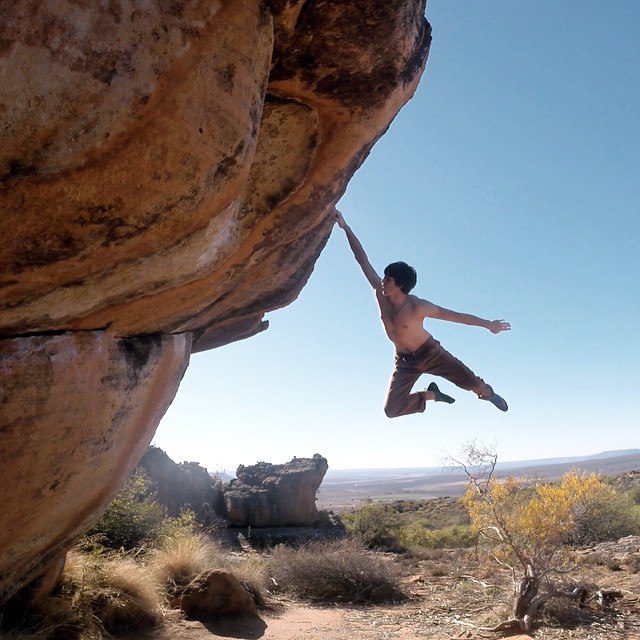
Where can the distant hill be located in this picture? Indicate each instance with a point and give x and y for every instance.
(225, 477)
(347, 487)
(612, 454)
(571, 460)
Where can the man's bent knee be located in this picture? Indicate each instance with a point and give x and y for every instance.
(392, 413)
(395, 411)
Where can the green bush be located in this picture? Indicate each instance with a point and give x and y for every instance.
(634, 495)
(607, 519)
(136, 519)
(376, 525)
(418, 535)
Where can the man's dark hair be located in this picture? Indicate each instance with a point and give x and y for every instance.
(403, 275)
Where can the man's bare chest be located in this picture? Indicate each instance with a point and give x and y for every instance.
(401, 318)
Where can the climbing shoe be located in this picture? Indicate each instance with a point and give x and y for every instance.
(496, 400)
(440, 397)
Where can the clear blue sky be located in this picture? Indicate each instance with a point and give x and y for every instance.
(511, 182)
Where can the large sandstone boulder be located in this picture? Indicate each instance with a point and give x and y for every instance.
(276, 495)
(168, 172)
(79, 410)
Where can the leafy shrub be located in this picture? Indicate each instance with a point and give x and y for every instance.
(135, 519)
(532, 521)
(530, 526)
(634, 495)
(605, 516)
(398, 526)
(337, 571)
(376, 525)
(439, 513)
(417, 534)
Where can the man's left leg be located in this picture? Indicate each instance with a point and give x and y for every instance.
(439, 362)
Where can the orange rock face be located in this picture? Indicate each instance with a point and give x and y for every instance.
(167, 169)
(79, 411)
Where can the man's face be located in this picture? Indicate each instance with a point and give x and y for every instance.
(389, 286)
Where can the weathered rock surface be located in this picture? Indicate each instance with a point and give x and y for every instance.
(183, 485)
(276, 495)
(621, 551)
(216, 593)
(179, 164)
(167, 169)
(258, 498)
(79, 411)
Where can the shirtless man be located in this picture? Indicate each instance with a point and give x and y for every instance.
(417, 352)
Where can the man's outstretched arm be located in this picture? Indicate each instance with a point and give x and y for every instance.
(359, 253)
(440, 313)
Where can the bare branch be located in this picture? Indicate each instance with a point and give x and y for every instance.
(485, 585)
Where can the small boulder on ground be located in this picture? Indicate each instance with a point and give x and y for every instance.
(216, 593)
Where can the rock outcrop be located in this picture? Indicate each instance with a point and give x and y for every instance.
(276, 495)
(184, 485)
(168, 173)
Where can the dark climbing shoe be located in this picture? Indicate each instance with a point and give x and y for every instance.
(496, 400)
(440, 397)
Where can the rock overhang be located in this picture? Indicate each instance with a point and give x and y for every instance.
(168, 174)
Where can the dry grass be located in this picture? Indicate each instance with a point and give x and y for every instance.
(112, 592)
(99, 595)
(105, 594)
(180, 559)
(251, 570)
(123, 595)
(39, 633)
(338, 571)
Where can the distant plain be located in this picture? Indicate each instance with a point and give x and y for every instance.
(345, 488)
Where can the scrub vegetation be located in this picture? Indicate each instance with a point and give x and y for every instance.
(511, 548)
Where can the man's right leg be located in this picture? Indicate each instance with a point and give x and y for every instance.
(400, 401)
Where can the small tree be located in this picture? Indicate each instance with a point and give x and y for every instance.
(374, 524)
(132, 518)
(529, 525)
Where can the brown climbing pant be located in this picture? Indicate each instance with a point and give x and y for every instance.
(431, 358)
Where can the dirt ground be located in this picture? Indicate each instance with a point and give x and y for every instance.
(452, 605)
(406, 622)
(301, 622)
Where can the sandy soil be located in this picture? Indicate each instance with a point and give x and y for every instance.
(451, 596)
(301, 622)
(425, 616)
